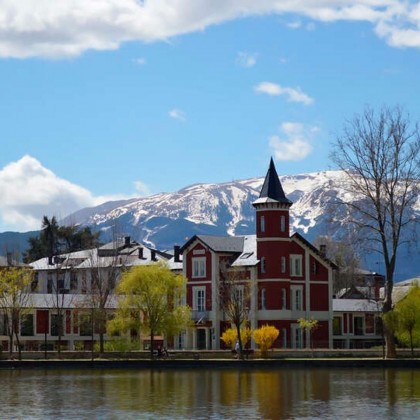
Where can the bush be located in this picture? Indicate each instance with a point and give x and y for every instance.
(265, 337)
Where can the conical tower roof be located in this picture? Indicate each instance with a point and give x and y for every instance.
(272, 191)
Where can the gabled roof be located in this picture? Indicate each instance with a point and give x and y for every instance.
(272, 191)
(297, 236)
(218, 243)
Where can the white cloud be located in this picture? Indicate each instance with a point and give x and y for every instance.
(141, 188)
(295, 142)
(292, 94)
(140, 61)
(29, 191)
(294, 25)
(246, 59)
(177, 114)
(67, 28)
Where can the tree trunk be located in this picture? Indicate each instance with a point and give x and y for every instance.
(390, 349)
(152, 342)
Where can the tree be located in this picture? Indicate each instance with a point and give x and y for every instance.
(343, 252)
(103, 275)
(55, 239)
(379, 153)
(149, 297)
(234, 300)
(408, 319)
(265, 337)
(309, 326)
(15, 302)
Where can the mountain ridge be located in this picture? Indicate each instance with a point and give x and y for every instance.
(165, 219)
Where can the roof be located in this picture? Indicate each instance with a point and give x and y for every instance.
(218, 243)
(356, 305)
(315, 250)
(272, 189)
(248, 256)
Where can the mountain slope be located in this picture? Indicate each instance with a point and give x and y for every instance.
(163, 220)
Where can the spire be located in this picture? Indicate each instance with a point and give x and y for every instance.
(272, 189)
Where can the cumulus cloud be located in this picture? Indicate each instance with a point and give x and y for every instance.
(292, 94)
(29, 191)
(177, 114)
(294, 143)
(67, 28)
(245, 59)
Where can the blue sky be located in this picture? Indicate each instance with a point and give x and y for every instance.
(117, 98)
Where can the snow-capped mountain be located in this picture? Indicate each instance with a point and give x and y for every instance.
(165, 219)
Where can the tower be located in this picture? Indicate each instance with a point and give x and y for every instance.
(273, 243)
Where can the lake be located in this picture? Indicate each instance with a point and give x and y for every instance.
(210, 394)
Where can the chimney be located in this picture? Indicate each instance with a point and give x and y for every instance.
(141, 253)
(9, 259)
(153, 255)
(323, 250)
(127, 241)
(177, 253)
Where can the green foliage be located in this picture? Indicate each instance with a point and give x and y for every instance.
(148, 302)
(407, 312)
(54, 239)
(265, 337)
(15, 299)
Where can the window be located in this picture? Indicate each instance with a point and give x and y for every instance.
(296, 336)
(262, 224)
(73, 281)
(239, 296)
(282, 223)
(49, 283)
(199, 267)
(370, 323)
(314, 267)
(35, 283)
(57, 325)
(283, 298)
(283, 264)
(358, 325)
(263, 299)
(296, 265)
(337, 325)
(284, 338)
(3, 326)
(199, 299)
(297, 298)
(85, 325)
(263, 265)
(27, 325)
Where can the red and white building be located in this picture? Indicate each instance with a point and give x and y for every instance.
(287, 277)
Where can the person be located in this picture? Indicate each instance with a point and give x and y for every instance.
(237, 348)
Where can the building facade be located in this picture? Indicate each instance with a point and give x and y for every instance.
(283, 277)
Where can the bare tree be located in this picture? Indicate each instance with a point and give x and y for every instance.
(103, 275)
(234, 299)
(379, 152)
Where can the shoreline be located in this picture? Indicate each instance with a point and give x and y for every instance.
(208, 363)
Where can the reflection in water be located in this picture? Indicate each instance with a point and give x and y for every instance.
(205, 394)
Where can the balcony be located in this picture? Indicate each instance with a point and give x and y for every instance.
(199, 316)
